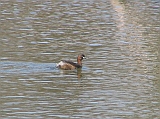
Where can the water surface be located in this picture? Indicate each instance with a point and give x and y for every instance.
(120, 77)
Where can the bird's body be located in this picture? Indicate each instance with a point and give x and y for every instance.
(69, 65)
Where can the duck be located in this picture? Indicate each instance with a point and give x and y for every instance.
(69, 65)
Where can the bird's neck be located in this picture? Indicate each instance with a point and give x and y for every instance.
(79, 62)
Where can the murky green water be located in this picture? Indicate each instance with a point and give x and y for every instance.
(120, 77)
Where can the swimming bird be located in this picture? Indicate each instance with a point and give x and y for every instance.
(69, 65)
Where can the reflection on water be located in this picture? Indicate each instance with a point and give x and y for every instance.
(119, 78)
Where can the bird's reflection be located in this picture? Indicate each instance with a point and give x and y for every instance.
(77, 72)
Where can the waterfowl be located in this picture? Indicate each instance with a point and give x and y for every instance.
(69, 65)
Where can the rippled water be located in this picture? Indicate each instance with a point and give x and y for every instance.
(120, 77)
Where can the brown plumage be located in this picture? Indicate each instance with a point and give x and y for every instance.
(69, 65)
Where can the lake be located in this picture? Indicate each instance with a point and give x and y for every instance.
(120, 79)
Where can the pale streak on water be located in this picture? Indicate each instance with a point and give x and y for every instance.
(120, 77)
